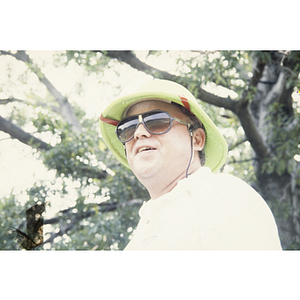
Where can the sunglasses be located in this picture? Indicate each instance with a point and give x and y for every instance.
(155, 121)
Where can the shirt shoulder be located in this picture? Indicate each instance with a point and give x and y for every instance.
(239, 218)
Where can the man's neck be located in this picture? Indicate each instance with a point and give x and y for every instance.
(158, 188)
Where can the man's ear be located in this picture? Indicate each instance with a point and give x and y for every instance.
(198, 139)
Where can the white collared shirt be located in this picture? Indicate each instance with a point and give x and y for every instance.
(206, 211)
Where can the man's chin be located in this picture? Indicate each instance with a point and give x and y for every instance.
(145, 169)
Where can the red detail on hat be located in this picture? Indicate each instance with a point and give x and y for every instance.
(109, 121)
(185, 102)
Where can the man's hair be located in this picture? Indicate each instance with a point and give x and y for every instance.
(196, 123)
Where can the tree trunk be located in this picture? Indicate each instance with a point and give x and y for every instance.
(272, 105)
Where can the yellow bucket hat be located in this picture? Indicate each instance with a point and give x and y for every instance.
(167, 91)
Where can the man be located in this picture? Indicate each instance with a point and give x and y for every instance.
(175, 150)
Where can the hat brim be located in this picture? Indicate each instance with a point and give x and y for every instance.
(215, 145)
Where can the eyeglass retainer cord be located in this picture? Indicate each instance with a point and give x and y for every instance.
(187, 169)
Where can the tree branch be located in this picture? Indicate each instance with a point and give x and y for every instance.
(215, 100)
(129, 58)
(252, 134)
(18, 133)
(245, 116)
(12, 99)
(233, 161)
(239, 142)
(258, 70)
(102, 208)
(65, 107)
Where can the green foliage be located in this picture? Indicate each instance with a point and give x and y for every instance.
(101, 231)
(45, 120)
(264, 56)
(11, 216)
(228, 69)
(284, 140)
(18, 115)
(93, 61)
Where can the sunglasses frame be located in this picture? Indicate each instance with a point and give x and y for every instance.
(140, 118)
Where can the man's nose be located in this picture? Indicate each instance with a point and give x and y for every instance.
(141, 131)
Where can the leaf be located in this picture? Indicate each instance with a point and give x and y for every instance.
(102, 146)
(280, 167)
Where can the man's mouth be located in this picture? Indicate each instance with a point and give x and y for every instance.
(142, 149)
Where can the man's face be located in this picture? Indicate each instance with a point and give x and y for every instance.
(170, 153)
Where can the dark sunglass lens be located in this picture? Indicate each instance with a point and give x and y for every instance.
(158, 122)
(126, 129)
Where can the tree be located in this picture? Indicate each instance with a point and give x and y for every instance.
(74, 150)
(259, 118)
